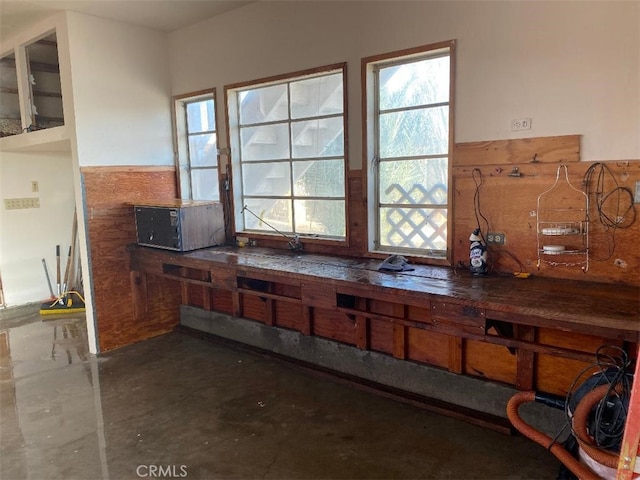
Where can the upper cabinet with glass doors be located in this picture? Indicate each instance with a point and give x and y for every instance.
(30, 89)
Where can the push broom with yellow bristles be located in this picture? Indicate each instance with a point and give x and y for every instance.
(65, 300)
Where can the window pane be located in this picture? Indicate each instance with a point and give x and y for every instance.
(317, 96)
(414, 181)
(260, 105)
(275, 212)
(268, 142)
(266, 179)
(203, 150)
(320, 178)
(321, 217)
(201, 116)
(414, 132)
(413, 228)
(419, 83)
(204, 183)
(318, 138)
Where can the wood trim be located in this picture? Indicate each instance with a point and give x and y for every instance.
(229, 200)
(277, 78)
(456, 360)
(199, 93)
(399, 341)
(409, 51)
(558, 149)
(127, 169)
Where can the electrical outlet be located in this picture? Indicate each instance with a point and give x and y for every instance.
(34, 186)
(20, 203)
(520, 124)
(495, 238)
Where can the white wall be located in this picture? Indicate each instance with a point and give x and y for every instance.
(121, 93)
(573, 67)
(29, 235)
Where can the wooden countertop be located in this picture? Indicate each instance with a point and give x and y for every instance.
(593, 307)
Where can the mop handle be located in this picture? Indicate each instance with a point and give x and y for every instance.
(46, 273)
(58, 268)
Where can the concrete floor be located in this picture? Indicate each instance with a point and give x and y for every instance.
(180, 407)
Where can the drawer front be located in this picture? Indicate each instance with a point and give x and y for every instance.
(224, 278)
(456, 319)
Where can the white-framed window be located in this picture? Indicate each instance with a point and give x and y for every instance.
(197, 146)
(408, 102)
(288, 155)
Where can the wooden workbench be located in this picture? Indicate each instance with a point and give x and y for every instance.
(530, 333)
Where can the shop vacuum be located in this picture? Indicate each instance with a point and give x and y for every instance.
(596, 413)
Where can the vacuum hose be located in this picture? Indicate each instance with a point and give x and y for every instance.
(573, 464)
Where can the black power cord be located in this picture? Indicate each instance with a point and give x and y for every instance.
(615, 207)
(608, 418)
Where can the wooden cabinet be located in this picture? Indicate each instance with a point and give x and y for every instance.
(533, 334)
(30, 88)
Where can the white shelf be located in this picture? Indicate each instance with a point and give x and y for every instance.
(55, 139)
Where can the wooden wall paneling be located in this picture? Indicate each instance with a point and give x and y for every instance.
(139, 292)
(558, 149)
(110, 228)
(510, 205)
(357, 212)
(162, 316)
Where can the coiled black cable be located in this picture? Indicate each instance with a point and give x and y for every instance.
(608, 418)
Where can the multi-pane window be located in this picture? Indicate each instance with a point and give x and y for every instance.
(288, 154)
(197, 147)
(409, 149)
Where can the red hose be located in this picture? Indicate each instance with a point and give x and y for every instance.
(580, 470)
